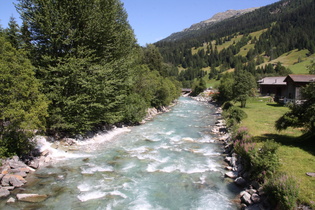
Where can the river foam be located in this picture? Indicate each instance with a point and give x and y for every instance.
(103, 137)
(167, 163)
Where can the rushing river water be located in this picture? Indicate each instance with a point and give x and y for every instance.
(171, 162)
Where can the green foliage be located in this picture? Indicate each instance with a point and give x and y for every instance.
(153, 58)
(83, 51)
(265, 32)
(23, 107)
(61, 28)
(84, 95)
(166, 92)
(262, 162)
(198, 87)
(265, 161)
(234, 115)
(227, 105)
(92, 70)
(283, 190)
(311, 67)
(13, 33)
(301, 115)
(225, 88)
(135, 108)
(244, 86)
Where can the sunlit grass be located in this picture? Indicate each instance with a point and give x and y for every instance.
(296, 60)
(296, 153)
(262, 114)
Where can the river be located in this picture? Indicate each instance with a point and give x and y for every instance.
(171, 162)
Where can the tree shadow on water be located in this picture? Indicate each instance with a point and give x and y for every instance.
(305, 142)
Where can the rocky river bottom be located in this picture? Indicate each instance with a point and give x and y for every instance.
(171, 162)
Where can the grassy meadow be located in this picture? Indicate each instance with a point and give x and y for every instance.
(297, 151)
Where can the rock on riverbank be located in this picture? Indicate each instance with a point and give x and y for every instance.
(13, 173)
(252, 196)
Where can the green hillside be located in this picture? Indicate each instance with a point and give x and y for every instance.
(280, 33)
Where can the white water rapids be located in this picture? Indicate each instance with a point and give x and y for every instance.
(171, 162)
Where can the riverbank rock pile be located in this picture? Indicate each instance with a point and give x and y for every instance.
(13, 173)
(205, 96)
(152, 112)
(252, 197)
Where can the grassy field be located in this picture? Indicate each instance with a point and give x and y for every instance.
(296, 60)
(297, 151)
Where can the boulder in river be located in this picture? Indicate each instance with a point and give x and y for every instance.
(246, 198)
(11, 200)
(13, 180)
(232, 174)
(255, 198)
(32, 198)
(240, 181)
(4, 193)
(17, 180)
(34, 163)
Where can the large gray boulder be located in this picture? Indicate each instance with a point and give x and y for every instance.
(240, 181)
(13, 180)
(232, 174)
(34, 163)
(5, 181)
(246, 198)
(11, 200)
(14, 164)
(255, 198)
(17, 180)
(32, 198)
(4, 193)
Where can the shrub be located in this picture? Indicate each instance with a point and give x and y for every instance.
(265, 161)
(283, 190)
(241, 134)
(234, 115)
(227, 105)
(245, 149)
(260, 162)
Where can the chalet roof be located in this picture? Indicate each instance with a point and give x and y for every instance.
(301, 77)
(272, 81)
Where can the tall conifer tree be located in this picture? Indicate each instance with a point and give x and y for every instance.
(82, 51)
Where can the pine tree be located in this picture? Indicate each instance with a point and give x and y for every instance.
(82, 51)
(13, 33)
(23, 107)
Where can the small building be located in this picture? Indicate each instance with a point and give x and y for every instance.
(294, 83)
(273, 86)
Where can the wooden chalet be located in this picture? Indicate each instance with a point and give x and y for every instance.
(273, 86)
(285, 89)
(294, 83)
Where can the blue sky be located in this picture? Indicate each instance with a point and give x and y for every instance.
(153, 20)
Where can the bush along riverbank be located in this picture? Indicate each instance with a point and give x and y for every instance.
(254, 166)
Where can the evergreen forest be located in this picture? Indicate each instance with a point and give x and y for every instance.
(249, 42)
(74, 67)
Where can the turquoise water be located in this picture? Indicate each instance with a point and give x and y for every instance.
(171, 162)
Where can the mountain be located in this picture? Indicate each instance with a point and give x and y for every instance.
(249, 41)
(219, 17)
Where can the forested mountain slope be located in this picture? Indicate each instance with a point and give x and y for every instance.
(281, 27)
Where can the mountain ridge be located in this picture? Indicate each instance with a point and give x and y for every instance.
(218, 17)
